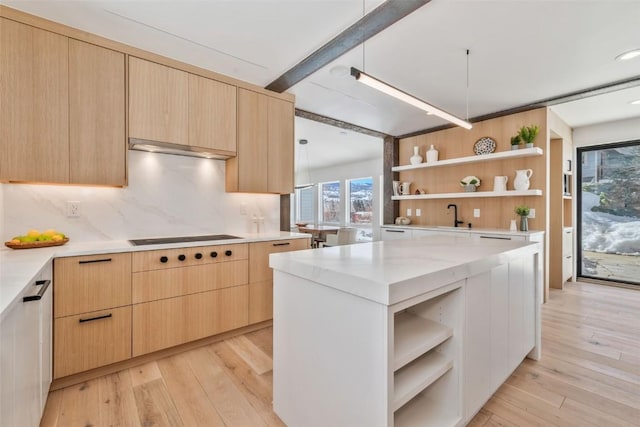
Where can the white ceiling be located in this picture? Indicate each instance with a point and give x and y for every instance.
(521, 51)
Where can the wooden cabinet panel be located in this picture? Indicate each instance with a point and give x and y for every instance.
(259, 270)
(34, 124)
(253, 147)
(281, 148)
(152, 260)
(260, 301)
(158, 102)
(172, 282)
(173, 321)
(90, 283)
(97, 110)
(91, 340)
(212, 114)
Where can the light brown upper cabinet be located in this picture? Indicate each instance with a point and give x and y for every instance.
(212, 114)
(97, 141)
(158, 102)
(34, 111)
(264, 163)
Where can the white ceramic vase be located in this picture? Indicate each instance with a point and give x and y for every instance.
(416, 159)
(432, 155)
(521, 182)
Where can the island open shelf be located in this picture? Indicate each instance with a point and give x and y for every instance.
(415, 336)
(418, 375)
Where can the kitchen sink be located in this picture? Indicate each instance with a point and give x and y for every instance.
(181, 239)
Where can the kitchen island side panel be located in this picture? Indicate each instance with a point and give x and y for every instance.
(330, 356)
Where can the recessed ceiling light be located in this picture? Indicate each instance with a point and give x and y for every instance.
(339, 71)
(628, 55)
(636, 102)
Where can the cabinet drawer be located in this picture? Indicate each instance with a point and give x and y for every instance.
(173, 321)
(259, 269)
(395, 234)
(91, 340)
(497, 236)
(171, 258)
(567, 242)
(91, 283)
(260, 301)
(172, 282)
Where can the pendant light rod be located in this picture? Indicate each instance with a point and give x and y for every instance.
(405, 97)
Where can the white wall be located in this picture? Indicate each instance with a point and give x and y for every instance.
(363, 169)
(609, 132)
(167, 196)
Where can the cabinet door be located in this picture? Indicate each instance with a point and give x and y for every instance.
(212, 114)
(90, 283)
(261, 275)
(280, 168)
(169, 322)
(97, 115)
(158, 102)
(252, 158)
(34, 124)
(91, 340)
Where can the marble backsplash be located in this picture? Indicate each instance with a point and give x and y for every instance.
(167, 195)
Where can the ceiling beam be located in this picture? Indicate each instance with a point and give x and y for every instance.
(338, 123)
(548, 102)
(368, 26)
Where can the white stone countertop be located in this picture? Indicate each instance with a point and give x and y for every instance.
(462, 229)
(389, 272)
(19, 267)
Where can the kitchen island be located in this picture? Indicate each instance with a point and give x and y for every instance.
(401, 333)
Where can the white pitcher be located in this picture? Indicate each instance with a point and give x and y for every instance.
(500, 183)
(521, 182)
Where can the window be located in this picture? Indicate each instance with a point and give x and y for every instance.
(304, 205)
(361, 201)
(360, 207)
(330, 201)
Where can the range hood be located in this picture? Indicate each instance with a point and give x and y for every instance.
(178, 149)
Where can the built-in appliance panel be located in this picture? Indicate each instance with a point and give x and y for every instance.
(172, 282)
(184, 257)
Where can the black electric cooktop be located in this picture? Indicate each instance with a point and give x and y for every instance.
(181, 239)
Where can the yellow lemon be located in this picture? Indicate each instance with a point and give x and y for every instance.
(14, 241)
(57, 238)
(50, 232)
(33, 233)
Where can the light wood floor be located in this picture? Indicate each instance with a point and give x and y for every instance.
(589, 375)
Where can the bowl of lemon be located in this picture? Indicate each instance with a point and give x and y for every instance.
(36, 239)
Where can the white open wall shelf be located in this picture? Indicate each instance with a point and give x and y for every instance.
(513, 154)
(469, 195)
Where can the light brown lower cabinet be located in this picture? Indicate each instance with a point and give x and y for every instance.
(260, 301)
(169, 322)
(90, 340)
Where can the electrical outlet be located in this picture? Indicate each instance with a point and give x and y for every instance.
(73, 209)
(243, 208)
(408, 211)
(418, 212)
(476, 213)
(532, 213)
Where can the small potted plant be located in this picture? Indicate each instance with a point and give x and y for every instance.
(523, 211)
(470, 183)
(527, 134)
(515, 142)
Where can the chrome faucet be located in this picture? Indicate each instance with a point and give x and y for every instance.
(455, 215)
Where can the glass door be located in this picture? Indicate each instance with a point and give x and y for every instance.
(608, 188)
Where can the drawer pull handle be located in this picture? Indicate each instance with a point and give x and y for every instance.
(282, 244)
(163, 259)
(106, 316)
(394, 231)
(91, 261)
(496, 238)
(228, 253)
(198, 255)
(182, 257)
(213, 254)
(45, 284)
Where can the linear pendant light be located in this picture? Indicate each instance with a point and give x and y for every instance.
(409, 99)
